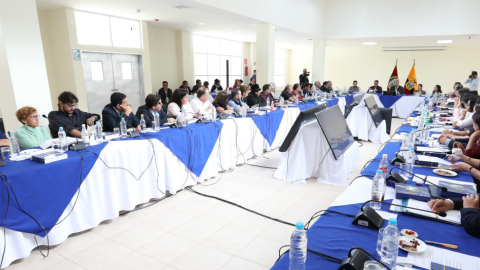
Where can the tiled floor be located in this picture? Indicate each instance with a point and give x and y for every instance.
(188, 231)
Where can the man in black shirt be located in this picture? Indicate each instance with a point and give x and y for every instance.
(304, 78)
(287, 93)
(205, 84)
(186, 87)
(253, 97)
(68, 117)
(198, 84)
(326, 87)
(116, 110)
(153, 104)
(375, 88)
(397, 88)
(216, 87)
(165, 93)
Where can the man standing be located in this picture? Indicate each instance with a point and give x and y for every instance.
(153, 104)
(304, 78)
(116, 110)
(397, 88)
(375, 88)
(217, 87)
(252, 82)
(68, 117)
(254, 76)
(354, 88)
(287, 93)
(201, 104)
(198, 84)
(473, 82)
(165, 93)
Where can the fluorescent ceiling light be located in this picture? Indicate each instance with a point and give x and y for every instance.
(180, 7)
(400, 49)
(369, 43)
(445, 41)
(201, 23)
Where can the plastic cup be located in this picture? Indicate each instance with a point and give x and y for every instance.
(373, 265)
(379, 241)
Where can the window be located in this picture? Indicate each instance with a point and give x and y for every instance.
(97, 71)
(103, 30)
(127, 71)
(279, 70)
(210, 57)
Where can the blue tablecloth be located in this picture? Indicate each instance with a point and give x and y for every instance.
(43, 190)
(268, 124)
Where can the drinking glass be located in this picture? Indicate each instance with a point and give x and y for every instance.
(6, 154)
(116, 133)
(379, 241)
(56, 145)
(407, 167)
(373, 265)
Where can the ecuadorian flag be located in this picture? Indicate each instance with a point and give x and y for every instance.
(411, 82)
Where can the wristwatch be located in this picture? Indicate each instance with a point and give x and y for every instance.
(470, 170)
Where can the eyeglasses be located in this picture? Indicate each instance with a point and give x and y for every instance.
(72, 105)
(33, 116)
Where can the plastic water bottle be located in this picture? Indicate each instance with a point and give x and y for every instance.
(183, 118)
(268, 101)
(214, 114)
(296, 100)
(271, 106)
(405, 142)
(390, 244)
(155, 121)
(378, 184)
(14, 146)
(298, 248)
(426, 133)
(123, 128)
(384, 166)
(282, 102)
(412, 136)
(143, 124)
(85, 138)
(62, 137)
(99, 129)
(410, 160)
(244, 110)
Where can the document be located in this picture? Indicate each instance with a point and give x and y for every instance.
(444, 257)
(433, 159)
(386, 215)
(430, 149)
(452, 215)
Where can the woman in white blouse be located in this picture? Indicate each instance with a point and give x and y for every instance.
(467, 122)
(178, 102)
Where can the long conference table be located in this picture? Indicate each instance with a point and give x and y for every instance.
(334, 234)
(95, 184)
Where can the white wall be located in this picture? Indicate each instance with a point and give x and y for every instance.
(164, 58)
(343, 65)
(378, 18)
(297, 60)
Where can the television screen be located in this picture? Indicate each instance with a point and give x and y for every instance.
(336, 130)
(304, 117)
(374, 111)
(354, 102)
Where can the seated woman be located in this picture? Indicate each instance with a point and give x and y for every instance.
(220, 103)
(30, 134)
(179, 102)
(244, 93)
(436, 90)
(468, 101)
(456, 112)
(473, 147)
(297, 91)
(253, 97)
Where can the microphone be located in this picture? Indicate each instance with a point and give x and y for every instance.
(442, 214)
(424, 180)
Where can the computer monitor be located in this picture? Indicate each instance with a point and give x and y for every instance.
(355, 101)
(389, 93)
(374, 110)
(336, 130)
(304, 117)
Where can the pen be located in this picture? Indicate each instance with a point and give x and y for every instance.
(441, 244)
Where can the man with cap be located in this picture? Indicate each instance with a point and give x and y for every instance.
(216, 87)
(375, 88)
(198, 84)
(253, 97)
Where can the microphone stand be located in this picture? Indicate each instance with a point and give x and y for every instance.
(424, 180)
(442, 214)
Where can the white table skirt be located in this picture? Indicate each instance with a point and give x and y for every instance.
(104, 193)
(404, 106)
(309, 156)
(361, 124)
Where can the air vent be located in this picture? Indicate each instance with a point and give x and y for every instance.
(404, 49)
(180, 7)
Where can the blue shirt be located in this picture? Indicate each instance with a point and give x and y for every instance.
(234, 105)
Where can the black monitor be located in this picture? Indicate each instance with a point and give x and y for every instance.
(374, 110)
(336, 130)
(303, 118)
(389, 93)
(355, 101)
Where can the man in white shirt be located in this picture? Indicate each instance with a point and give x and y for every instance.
(201, 103)
(316, 88)
(473, 81)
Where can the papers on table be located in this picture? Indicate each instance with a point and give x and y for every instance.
(433, 159)
(452, 215)
(435, 136)
(431, 149)
(46, 144)
(386, 215)
(444, 257)
(397, 137)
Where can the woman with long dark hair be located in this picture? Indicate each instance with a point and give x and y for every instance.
(179, 102)
(220, 103)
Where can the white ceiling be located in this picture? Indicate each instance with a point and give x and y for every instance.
(294, 27)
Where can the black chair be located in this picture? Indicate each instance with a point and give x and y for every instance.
(387, 116)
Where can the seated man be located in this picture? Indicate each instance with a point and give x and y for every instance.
(235, 101)
(266, 93)
(287, 93)
(397, 88)
(316, 88)
(375, 88)
(253, 97)
(68, 117)
(153, 104)
(165, 93)
(216, 86)
(3, 140)
(354, 88)
(307, 89)
(201, 103)
(252, 82)
(326, 87)
(198, 84)
(116, 110)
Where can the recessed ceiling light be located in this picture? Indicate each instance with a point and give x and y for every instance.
(445, 41)
(369, 43)
(180, 7)
(201, 23)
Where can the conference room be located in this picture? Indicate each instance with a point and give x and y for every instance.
(203, 134)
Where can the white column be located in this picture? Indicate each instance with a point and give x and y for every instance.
(185, 41)
(23, 74)
(318, 63)
(265, 53)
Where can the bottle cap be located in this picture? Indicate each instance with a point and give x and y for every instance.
(392, 221)
(141, 114)
(123, 118)
(299, 225)
(412, 148)
(379, 172)
(83, 125)
(12, 135)
(61, 128)
(97, 122)
(385, 156)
